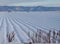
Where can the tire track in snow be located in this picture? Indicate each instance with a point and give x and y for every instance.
(8, 29)
(43, 28)
(1, 31)
(11, 27)
(17, 31)
(36, 27)
(23, 27)
(1, 23)
(21, 32)
(39, 28)
(23, 23)
(4, 31)
(29, 26)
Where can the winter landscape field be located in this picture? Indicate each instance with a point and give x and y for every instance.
(29, 21)
(33, 27)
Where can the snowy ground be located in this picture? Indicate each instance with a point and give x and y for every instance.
(23, 22)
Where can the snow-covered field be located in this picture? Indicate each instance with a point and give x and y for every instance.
(23, 22)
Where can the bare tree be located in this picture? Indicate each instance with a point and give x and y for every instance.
(54, 37)
(58, 36)
(48, 36)
(39, 34)
(33, 40)
(10, 37)
(29, 34)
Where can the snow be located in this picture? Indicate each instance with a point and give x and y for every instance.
(23, 22)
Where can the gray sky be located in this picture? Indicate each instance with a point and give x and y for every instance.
(16, 1)
(30, 2)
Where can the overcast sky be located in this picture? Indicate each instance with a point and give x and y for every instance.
(30, 2)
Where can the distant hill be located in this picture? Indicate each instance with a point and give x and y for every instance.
(28, 8)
